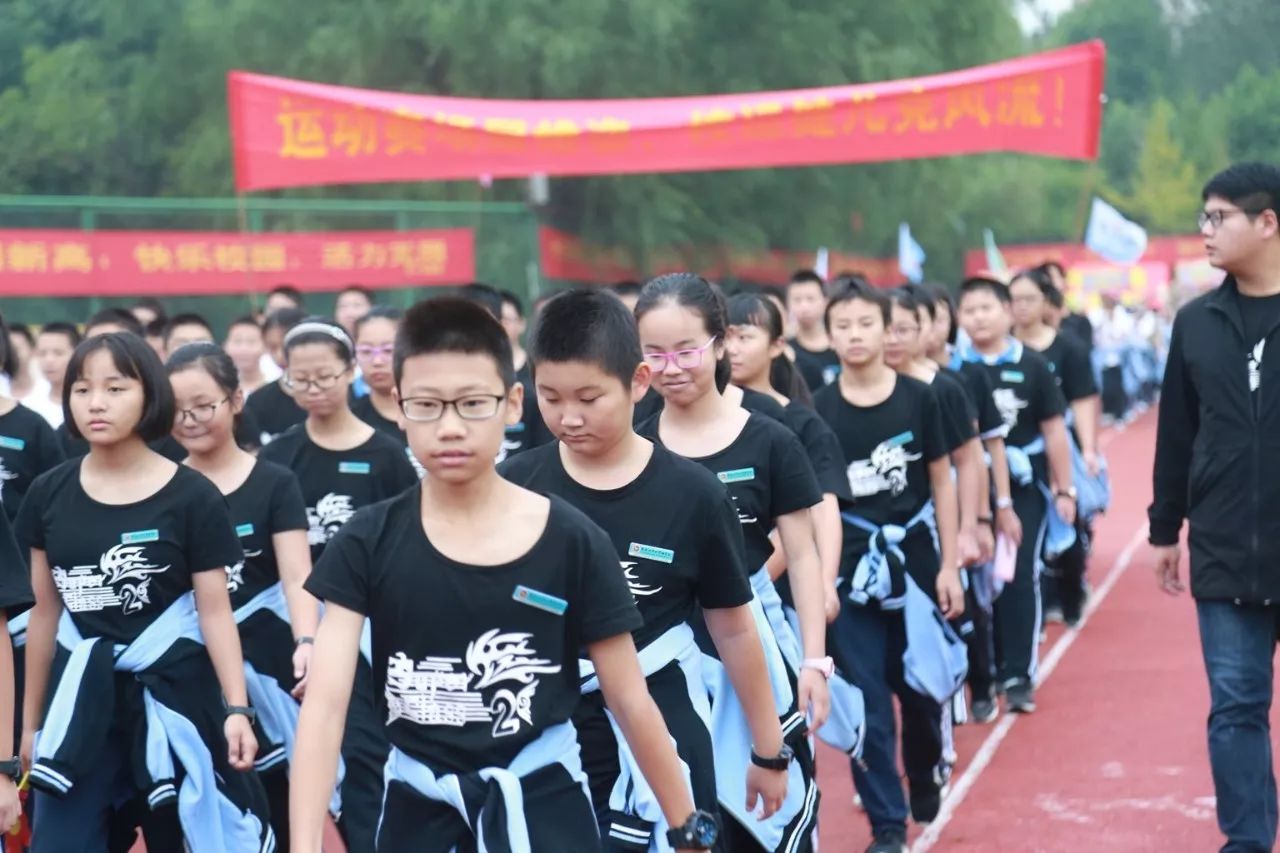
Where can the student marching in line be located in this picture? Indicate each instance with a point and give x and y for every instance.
(680, 546)
(996, 516)
(683, 324)
(375, 342)
(54, 344)
(1039, 468)
(148, 720)
(814, 358)
(16, 599)
(276, 617)
(28, 445)
(272, 408)
(1064, 583)
(900, 566)
(476, 636)
(342, 464)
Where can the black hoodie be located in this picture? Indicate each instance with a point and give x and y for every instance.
(1218, 453)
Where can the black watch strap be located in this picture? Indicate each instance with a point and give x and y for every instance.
(12, 768)
(699, 832)
(243, 709)
(779, 762)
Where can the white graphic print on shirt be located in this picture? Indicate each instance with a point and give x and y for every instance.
(885, 470)
(436, 692)
(330, 513)
(235, 574)
(1009, 404)
(1255, 365)
(87, 589)
(639, 589)
(5, 476)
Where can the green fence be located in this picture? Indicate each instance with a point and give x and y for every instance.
(506, 240)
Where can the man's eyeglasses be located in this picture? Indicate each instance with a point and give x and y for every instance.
(201, 414)
(685, 359)
(1215, 217)
(322, 382)
(904, 331)
(473, 407)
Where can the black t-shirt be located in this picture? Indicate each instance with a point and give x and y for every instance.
(821, 446)
(531, 431)
(1260, 314)
(362, 408)
(16, 596)
(274, 411)
(267, 503)
(74, 448)
(767, 474)
(762, 404)
(978, 386)
(471, 663)
(28, 448)
(649, 406)
(1072, 370)
(887, 448)
(336, 483)
(118, 567)
(818, 367)
(958, 412)
(1079, 328)
(674, 529)
(1025, 394)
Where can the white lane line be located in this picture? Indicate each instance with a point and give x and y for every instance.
(982, 758)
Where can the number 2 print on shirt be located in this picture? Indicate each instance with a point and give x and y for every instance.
(437, 691)
(121, 579)
(885, 470)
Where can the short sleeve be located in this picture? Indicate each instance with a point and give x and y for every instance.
(722, 559)
(341, 575)
(1077, 373)
(607, 608)
(400, 473)
(28, 526)
(16, 596)
(211, 536)
(1049, 402)
(792, 484)
(978, 384)
(957, 424)
(826, 456)
(288, 510)
(933, 441)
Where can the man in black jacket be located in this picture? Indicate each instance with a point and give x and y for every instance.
(1218, 467)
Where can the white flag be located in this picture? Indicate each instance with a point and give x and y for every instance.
(1112, 236)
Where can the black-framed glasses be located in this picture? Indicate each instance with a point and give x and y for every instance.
(472, 407)
(1216, 217)
(200, 414)
(685, 359)
(323, 382)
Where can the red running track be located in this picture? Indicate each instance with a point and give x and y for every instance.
(1114, 759)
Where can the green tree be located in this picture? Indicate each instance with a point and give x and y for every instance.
(1251, 120)
(1166, 188)
(1140, 53)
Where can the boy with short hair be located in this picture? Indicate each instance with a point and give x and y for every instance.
(1039, 456)
(806, 301)
(890, 429)
(678, 539)
(475, 636)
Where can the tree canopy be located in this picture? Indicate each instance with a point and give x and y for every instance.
(128, 99)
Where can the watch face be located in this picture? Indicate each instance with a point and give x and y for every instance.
(705, 830)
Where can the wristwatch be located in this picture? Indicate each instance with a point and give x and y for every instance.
(826, 666)
(1004, 503)
(12, 768)
(243, 709)
(699, 832)
(779, 762)
(1066, 493)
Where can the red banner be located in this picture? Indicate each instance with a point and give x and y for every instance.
(1166, 250)
(134, 263)
(288, 133)
(565, 256)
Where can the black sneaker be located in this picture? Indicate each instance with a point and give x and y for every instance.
(984, 710)
(926, 800)
(1022, 697)
(889, 842)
